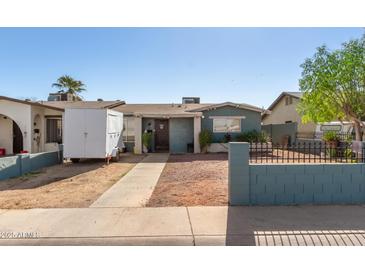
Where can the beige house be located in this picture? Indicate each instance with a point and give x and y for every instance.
(30, 126)
(283, 111)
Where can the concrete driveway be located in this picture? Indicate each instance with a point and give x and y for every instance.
(294, 225)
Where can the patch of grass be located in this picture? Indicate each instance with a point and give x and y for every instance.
(30, 175)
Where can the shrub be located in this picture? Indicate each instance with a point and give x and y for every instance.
(205, 139)
(147, 139)
(330, 136)
(252, 136)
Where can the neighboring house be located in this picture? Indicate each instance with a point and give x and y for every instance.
(30, 126)
(284, 110)
(175, 127)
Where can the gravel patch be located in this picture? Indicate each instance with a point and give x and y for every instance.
(193, 180)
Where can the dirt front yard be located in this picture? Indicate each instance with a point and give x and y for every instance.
(67, 185)
(192, 180)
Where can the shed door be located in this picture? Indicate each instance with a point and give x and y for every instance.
(95, 134)
(162, 135)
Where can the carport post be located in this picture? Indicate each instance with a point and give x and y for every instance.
(238, 173)
(138, 135)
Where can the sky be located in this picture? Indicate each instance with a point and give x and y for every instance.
(161, 65)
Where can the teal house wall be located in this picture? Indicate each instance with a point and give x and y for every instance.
(251, 122)
(181, 134)
(278, 131)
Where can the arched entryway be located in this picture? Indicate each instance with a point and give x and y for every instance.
(17, 139)
(11, 137)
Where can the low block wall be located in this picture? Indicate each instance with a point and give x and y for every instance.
(285, 184)
(20, 164)
(218, 147)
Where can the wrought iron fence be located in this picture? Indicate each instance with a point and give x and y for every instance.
(306, 153)
(318, 136)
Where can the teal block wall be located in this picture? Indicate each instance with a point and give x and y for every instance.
(9, 167)
(289, 184)
(238, 174)
(318, 184)
(23, 163)
(251, 122)
(181, 134)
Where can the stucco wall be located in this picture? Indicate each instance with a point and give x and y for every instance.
(282, 113)
(251, 122)
(38, 122)
(181, 134)
(6, 134)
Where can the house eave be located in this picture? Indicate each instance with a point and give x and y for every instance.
(167, 115)
(36, 104)
(241, 106)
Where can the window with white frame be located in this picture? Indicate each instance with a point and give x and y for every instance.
(128, 132)
(226, 125)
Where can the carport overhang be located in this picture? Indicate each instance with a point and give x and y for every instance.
(196, 116)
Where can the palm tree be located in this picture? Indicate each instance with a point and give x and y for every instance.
(67, 84)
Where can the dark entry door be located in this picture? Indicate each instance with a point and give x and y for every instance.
(17, 139)
(161, 135)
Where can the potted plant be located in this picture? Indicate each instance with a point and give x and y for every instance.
(146, 140)
(205, 139)
(227, 138)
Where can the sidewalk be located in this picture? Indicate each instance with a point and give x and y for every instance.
(136, 187)
(292, 225)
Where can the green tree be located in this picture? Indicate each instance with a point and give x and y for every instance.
(333, 85)
(67, 84)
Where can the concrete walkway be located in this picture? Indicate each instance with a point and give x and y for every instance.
(294, 225)
(136, 187)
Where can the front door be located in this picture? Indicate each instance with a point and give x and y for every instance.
(17, 139)
(161, 135)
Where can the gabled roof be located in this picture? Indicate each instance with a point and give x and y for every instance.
(297, 95)
(32, 103)
(230, 104)
(82, 104)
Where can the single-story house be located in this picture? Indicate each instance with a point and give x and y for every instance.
(284, 111)
(176, 126)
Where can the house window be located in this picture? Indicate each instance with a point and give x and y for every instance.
(226, 125)
(54, 130)
(128, 132)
